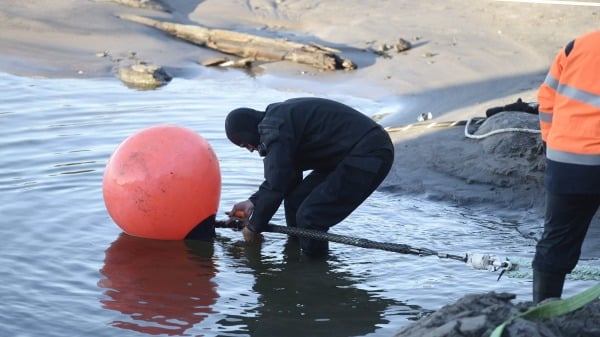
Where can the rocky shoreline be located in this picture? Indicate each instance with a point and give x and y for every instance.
(478, 315)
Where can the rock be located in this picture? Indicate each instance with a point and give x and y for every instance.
(143, 76)
(402, 45)
(472, 315)
(477, 315)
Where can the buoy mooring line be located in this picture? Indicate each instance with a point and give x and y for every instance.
(477, 261)
(354, 241)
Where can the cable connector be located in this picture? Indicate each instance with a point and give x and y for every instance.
(491, 263)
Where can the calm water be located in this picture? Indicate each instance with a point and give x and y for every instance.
(67, 270)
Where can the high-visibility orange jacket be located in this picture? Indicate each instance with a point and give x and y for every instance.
(569, 103)
(569, 113)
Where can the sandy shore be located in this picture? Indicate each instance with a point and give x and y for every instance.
(467, 55)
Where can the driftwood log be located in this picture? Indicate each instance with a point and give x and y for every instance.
(250, 46)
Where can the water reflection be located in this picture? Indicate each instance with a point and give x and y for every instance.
(165, 287)
(302, 297)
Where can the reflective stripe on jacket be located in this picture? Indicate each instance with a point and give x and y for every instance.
(569, 103)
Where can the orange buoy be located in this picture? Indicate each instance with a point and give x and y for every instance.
(161, 182)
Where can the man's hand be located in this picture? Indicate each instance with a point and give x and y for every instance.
(252, 237)
(241, 210)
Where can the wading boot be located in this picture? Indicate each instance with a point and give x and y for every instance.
(547, 285)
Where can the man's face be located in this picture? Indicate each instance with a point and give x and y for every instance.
(249, 147)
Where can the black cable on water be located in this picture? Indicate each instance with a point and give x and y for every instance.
(358, 242)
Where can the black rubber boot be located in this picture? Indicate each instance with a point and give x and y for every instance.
(315, 249)
(547, 285)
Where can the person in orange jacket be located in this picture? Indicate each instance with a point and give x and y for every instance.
(569, 113)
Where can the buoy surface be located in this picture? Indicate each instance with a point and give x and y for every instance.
(161, 182)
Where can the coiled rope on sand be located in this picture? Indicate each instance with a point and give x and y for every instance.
(468, 123)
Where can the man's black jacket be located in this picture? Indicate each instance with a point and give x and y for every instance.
(302, 134)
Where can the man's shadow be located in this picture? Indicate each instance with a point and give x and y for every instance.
(300, 296)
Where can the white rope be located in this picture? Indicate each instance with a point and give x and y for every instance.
(466, 123)
(494, 132)
(580, 272)
(424, 125)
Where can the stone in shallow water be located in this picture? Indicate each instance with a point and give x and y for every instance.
(143, 76)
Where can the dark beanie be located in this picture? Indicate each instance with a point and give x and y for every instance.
(241, 126)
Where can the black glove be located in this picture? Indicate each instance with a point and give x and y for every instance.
(519, 105)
